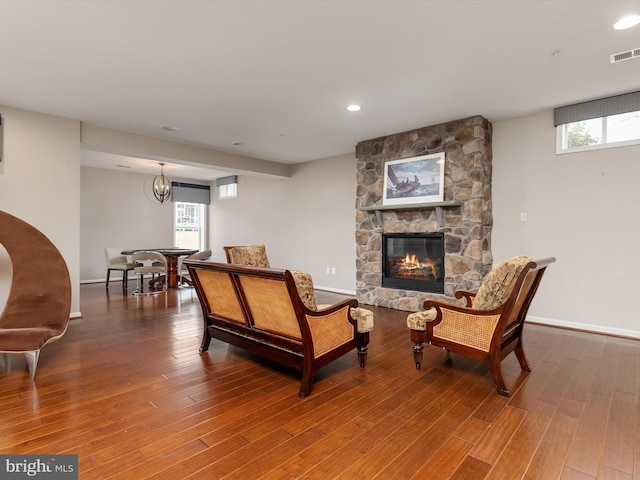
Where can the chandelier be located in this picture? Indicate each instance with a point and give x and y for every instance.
(161, 186)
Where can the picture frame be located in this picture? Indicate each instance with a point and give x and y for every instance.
(414, 180)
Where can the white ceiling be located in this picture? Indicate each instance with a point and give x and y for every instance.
(276, 76)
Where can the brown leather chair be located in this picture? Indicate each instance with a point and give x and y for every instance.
(39, 303)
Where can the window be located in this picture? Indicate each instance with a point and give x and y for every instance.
(601, 132)
(189, 225)
(227, 186)
(603, 123)
(228, 191)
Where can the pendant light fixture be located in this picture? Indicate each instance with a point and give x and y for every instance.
(161, 186)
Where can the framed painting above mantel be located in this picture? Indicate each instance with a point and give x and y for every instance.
(414, 180)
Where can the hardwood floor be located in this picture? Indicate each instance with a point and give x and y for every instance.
(127, 391)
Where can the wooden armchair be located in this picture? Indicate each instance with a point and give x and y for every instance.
(490, 326)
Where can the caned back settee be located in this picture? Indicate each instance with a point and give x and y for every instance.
(261, 310)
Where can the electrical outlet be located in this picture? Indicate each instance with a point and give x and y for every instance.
(328, 271)
(523, 216)
(333, 270)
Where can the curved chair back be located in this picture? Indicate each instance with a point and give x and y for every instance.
(201, 255)
(39, 302)
(147, 262)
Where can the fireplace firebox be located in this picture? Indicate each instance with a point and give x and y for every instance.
(413, 261)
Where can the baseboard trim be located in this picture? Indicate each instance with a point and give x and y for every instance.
(104, 280)
(335, 290)
(585, 327)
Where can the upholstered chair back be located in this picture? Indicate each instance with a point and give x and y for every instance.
(251, 255)
(498, 284)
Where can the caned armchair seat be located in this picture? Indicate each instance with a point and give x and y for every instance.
(490, 325)
(256, 256)
(39, 302)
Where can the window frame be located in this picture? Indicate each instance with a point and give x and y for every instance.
(202, 228)
(562, 129)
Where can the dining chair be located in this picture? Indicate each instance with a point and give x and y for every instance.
(201, 255)
(117, 261)
(153, 263)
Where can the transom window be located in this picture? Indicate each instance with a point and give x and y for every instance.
(602, 132)
(602, 123)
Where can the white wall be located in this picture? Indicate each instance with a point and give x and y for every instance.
(116, 212)
(582, 209)
(307, 222)
(40, 183)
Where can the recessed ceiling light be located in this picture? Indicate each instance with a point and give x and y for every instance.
(354, 108)
(170, 128)
(627, 22)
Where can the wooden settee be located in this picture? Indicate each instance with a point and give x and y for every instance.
(260, 310)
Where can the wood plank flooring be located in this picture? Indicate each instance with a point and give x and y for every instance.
(127, 391)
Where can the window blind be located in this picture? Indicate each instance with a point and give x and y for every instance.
(603, 107)
(226, 180)
(190, 193)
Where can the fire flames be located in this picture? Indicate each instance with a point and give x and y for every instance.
(412, 266)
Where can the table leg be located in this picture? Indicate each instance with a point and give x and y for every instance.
(172, 271)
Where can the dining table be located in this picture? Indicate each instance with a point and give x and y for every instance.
(172, 254)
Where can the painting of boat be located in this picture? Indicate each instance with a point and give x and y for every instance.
(414, 180)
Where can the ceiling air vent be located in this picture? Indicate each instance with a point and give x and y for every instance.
(622, 56)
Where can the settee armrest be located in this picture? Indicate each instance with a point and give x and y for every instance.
(362, 317)
(331, 327)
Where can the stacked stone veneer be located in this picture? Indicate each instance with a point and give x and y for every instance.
(467, 228)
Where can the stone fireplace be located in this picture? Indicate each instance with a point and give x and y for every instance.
(413, 261)
(463, 220)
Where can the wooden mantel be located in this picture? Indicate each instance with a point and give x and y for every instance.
(414, 206)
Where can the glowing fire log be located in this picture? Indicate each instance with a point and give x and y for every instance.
(412, 266)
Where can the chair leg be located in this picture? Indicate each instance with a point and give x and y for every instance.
(362, 354)
(417, 354)
(140, 285)
(522, 358)
(495, 367)
(307, 382)
(32, 362)
(108, 275)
